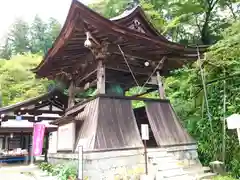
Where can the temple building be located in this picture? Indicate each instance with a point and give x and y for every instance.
(17, 120)
(112, 56)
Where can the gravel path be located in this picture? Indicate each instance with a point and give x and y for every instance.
(23, 173)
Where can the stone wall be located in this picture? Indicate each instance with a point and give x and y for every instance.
(112, 164)
(105, 164)
(185, 154)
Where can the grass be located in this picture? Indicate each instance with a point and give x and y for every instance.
(223, 178)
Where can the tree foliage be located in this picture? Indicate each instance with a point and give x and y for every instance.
(185, 21)
(184, 89)
(19, 37)
(34, 38)
(17, 82)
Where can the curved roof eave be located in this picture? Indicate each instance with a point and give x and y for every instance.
(30, 101)
(137, 11)
(106, 23)
(61, 34)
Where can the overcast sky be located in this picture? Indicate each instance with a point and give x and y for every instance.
(27, 9)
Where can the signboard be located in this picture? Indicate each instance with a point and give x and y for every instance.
(18, 118)
(233, 121)
(53, 143)
(145, 131)
(38, 139)
(66, 137)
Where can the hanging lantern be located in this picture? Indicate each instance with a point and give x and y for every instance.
(146, 64)
(11, 135)
(87, 42)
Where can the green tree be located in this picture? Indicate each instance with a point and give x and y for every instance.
(38, 35)
(19, 36)
(53, 30)
(36, 38)
(6, 50)
(185, 91)
(182, 21)
(43, 34)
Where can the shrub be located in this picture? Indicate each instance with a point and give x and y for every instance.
(62, 171)
(223, 178)
(46, 167)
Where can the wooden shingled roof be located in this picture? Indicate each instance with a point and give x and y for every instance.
(34, 105)
(138, 39)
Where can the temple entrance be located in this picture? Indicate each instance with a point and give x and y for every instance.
(141, 118)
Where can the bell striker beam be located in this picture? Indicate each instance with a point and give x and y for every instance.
(161, 89)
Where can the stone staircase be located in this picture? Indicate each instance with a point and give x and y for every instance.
(166, 166)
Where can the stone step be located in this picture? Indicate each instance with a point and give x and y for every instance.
(156, 149)
(208, 175)
(183, 177)
(197, 169)
(158, 154)
(169, 166)
(171, 173)
(162, 160)
(206, 169)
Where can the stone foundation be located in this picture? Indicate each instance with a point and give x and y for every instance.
(116, 163)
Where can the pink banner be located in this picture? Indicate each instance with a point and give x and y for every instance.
(38, 138)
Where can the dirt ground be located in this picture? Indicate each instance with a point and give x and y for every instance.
(20, 173)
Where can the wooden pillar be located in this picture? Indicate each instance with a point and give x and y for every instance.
(100, 77)
(46, 147)
(71, 94)
(160, 86)
(21, 140)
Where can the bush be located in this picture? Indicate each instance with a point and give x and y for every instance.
(223, 178)
(62, 171)
(46, 167)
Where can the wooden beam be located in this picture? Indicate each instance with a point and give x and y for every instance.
(88, 72)
(38, 112)
(71, 94)
(29, 118)
(123, 68)
(87, 86)
(57, 104)
(147, 91)
(160, 86)
(43, 104)
(101, 77)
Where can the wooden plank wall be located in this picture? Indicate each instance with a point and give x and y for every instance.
(165, 125)
(117, 126)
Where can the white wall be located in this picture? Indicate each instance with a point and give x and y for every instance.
(66, 137)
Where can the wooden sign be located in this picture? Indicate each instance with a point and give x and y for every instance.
(233, 122)
(145, 131)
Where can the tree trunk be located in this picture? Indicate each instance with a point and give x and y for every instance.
(205, 35)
